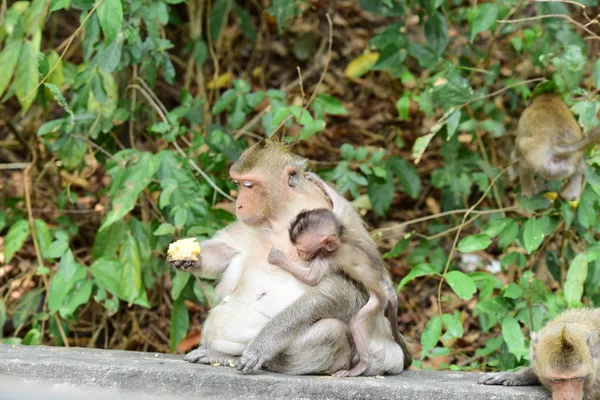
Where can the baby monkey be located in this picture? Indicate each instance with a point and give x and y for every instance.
(550, 143)
(321, 238)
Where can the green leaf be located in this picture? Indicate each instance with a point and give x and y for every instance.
(403, 106)
(461, 284)
(495, 227)
(407, 175)
(218, 14)
(513, 291)
(452, 123)
(228, 97)
(311, 128)
(329, 105)
(513, 337)
(576, 275)
(486, 17)
(42, 234)
(131, 273)
(596, 75)
(453, 325)
(8, 59)
(2, 317)
(180, 279)
(80, 294)
(26, 76)
(60, 99)
(180, 323)
(69, 272)
(381, 196)
(420, 146)
(431, 335)
(138, 177)
(508, 234)
(110, 14)
(246, 23)
(109, 58)
(164, 229)
(283, 11)
(107, 241)
(436, 32)
(56, 5)
(107, 275)
(50, 127)
(32, 338)
(533, 235)
(474, 243)
(423, 269)
(15, 238)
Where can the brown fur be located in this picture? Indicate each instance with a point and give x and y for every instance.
(550, 143)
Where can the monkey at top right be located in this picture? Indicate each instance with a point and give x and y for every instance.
(550, 144)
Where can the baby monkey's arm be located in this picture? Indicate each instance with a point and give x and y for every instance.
(311, 275)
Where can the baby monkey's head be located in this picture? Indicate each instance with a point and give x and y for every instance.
(315, 233)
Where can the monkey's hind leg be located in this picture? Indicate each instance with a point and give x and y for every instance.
(359, 335)
(572, 189)
(523, 377)
(529, 186)
(211, 357)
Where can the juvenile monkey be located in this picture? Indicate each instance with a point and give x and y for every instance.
(550, 143)
(564, 358)
(321, 238)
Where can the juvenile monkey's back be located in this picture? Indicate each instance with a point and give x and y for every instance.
(549, 118)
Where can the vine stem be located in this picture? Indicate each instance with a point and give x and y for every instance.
(462, 224)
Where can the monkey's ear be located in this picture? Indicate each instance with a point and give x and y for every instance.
(594, 344)
(330, 243)
(290, 176)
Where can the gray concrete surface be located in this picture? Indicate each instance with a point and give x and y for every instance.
(28, 373)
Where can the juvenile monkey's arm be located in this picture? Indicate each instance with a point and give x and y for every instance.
(340, 204)
(523, 377)
(311, 275)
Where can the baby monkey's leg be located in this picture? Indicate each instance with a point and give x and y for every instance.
(358, 328)
(311, 275)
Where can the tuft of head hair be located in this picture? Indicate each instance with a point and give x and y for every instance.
(313, 221)
(564, 349)
(268, 154)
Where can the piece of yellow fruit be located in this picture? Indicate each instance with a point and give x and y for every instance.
(574, 203)
(361, 65)
(221, 81)
(551, 195)
(184, 249)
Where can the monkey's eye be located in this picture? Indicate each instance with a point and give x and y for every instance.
(248, 184)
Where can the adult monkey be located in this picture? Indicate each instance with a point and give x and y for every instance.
(272, 191)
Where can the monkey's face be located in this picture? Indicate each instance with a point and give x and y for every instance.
(253, 204)
(308, 246)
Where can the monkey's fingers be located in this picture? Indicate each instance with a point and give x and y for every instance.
(496, 379)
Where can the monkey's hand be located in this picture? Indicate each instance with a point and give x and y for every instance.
(185, 265)
(276, 257)
(252, 360)
(524, 377)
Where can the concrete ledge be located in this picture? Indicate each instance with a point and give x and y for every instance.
(72, 373)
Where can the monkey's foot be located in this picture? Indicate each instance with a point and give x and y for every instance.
(211, 357)
(251, 361)
(356, 371)
(183, 265)
(314, 178)
(504, 379)
(275, 257)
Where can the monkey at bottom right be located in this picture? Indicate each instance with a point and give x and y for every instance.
(565, 356)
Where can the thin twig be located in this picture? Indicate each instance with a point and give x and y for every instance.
(300, 83)
(18, 165)
(462, 224)
(538, 17)
(158, 106)
(562, 1)
(321, 78)
(68, 42)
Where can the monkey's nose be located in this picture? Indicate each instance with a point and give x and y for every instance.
(239, 207)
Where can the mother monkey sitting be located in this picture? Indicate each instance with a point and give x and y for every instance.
(272, 190)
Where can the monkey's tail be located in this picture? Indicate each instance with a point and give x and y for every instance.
(581, 145)
(392, 315)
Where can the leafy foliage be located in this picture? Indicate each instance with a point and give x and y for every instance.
(413, 123)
